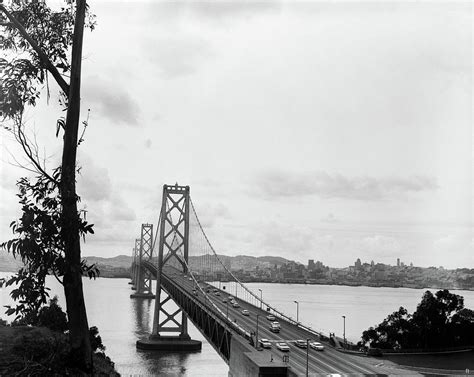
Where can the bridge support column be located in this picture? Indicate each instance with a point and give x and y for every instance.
(134, 271)
(143, 276)
(173, 250)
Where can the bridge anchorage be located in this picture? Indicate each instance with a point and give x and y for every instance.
(173, 249)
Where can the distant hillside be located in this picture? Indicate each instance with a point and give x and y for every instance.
(120, 261)
(245, 262)
(238, 262)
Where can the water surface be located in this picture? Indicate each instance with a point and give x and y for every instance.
(121, 320)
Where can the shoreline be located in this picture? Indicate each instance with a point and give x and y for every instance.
(111, 275)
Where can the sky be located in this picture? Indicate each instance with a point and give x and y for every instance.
(309, 130)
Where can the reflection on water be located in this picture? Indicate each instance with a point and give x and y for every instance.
(141, 309)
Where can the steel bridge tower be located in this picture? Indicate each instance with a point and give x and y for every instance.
(134, 269)
(174, 251)
(144, 252)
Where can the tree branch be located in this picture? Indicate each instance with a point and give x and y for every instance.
(33, 156)
(43, 57)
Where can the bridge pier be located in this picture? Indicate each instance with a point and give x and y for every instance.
(169, 343)
(142, 295)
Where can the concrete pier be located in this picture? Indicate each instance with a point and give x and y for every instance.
(169, 343)
(142, 295)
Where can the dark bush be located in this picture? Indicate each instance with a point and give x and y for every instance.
(52, 316)
(96, 340)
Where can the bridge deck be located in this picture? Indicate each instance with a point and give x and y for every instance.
(328, 361)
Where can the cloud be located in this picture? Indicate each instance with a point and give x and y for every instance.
(454, 243)
(288, 184)
(110, 101)
(148, 143)
(283, 239)
(330, 218)
(105, 205)
(210, 214)
(380, 245)
(211, 10)
(120, 210)
(175, 56)
(94, 182)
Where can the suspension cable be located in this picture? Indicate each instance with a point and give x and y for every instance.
(276, 311)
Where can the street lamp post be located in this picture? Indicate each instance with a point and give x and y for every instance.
(307, 357)
(256, 334)
(344, 332)
(297, 311)
(260, 298)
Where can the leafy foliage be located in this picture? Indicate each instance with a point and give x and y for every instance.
(44, 38)
(24, 74)
(39, 244)
(50, 316)
(96, 340)
(440, 320)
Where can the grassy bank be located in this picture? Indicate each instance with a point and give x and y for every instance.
(38, 351)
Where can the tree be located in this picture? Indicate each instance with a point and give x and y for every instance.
(39, 245)
(433, 315)
(439, 320)
(41, 38)
(393, 332)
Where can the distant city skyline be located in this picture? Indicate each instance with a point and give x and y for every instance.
(307, 130)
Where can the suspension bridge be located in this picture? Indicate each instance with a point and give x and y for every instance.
(252, 336)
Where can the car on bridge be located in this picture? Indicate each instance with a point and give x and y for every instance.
(245, 312)
(235, 305)
(317, 346)
(282, 346)
(271, 317)
(301, 343)
(265, 343)
(275, 327)
(224, 300)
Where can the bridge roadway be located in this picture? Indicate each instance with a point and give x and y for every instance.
(329, 361)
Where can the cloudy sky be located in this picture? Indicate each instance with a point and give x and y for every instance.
(308, 130)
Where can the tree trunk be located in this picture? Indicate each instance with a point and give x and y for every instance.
(76, 310)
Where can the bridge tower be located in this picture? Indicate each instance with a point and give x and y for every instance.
(134, 271)
(133, 268)
(173, 250)
(143, 276)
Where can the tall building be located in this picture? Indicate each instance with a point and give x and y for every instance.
(398, 262)
(311, 264)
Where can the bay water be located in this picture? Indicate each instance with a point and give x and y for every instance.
(122, 320)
